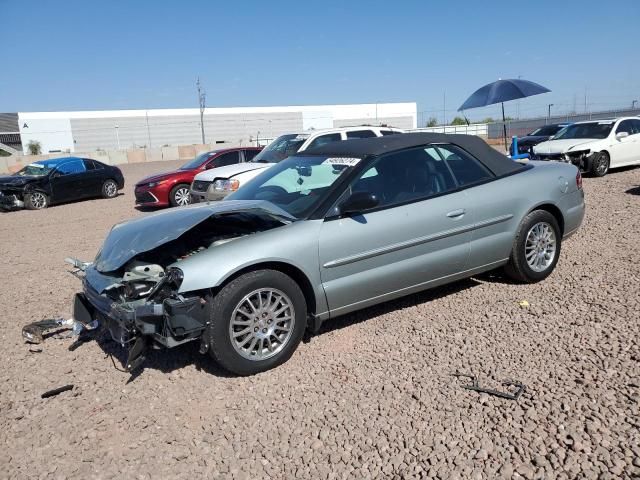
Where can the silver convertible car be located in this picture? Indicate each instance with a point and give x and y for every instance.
(321, 234)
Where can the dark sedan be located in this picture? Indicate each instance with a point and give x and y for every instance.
(59, 180)
(539, 135)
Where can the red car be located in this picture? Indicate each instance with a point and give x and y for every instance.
(172, 188)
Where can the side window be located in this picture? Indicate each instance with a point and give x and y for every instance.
(388, 132)
(465, 168)
(230, 158)
(625, 126)
(361, 134)
(406, 176)
(250, 155)
(324, 139)
(636, 126)
(91, 164)
(72, 167)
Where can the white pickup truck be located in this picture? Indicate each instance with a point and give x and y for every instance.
(217, 183)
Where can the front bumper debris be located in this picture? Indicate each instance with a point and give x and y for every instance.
(10, 202)
(173, 322)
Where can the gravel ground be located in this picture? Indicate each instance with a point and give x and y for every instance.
(371, 396)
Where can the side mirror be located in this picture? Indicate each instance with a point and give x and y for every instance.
(551, 137)
(210, 165)
(621, 135)
(358, 202)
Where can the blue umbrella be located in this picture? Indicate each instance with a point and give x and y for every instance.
(500, 92)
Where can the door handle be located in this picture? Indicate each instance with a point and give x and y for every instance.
(456, 213)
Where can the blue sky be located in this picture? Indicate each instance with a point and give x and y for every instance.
(116, 54)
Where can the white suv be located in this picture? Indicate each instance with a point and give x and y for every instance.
(595, 146)
(217, 183)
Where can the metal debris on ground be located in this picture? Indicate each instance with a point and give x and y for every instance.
(509, 395)
(34, 332)
(56, 391)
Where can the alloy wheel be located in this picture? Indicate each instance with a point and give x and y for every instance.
(111, 189)
(262, 324)
(602, 165)
(182, 197)
(38, 200)
(540, 246)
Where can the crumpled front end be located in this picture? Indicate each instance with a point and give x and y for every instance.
(136, 293)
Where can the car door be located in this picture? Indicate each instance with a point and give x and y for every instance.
(418, 234)
(621, 149)
(94, 177)
(494, 201)
(69, 181)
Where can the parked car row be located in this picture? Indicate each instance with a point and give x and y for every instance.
(593, 146)
(326, 231)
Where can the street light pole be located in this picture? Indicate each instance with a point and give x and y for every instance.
(117, 137)
(549, 111)
(201, 101)
(633, 104)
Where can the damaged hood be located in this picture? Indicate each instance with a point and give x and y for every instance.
(17, 180)
(128, 239)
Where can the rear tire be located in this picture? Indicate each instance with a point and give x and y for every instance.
(179, 196)
(257, 322)
(536, 248)
(600, 165)
(110, 189)
(36, 201)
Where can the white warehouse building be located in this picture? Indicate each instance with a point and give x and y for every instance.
(85, 131)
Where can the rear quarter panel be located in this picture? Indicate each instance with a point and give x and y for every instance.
(511, 198)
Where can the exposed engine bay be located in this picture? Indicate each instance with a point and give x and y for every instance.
(139, 302)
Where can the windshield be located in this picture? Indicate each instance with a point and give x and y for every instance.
(585, 130)
(546, 131)
(196, 162)
(297, 185)
(35, 170)
(281, 148)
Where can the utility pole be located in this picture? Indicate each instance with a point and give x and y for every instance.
(633, 104)
(549, 111)
(201, 101)
(117, 136)
(444, 108)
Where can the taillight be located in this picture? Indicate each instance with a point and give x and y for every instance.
(579, 180)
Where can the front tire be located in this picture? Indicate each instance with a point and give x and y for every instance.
(36, 201)
(257, 322)
(109, 189)
(536, 248)
(179, 196)
(600, 164)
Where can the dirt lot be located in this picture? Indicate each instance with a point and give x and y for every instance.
(371, 396)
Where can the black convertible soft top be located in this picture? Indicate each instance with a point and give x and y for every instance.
(498, 163)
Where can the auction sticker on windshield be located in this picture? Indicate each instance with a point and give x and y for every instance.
(348, 161)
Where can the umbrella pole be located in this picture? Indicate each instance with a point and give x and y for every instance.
(504, 129)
